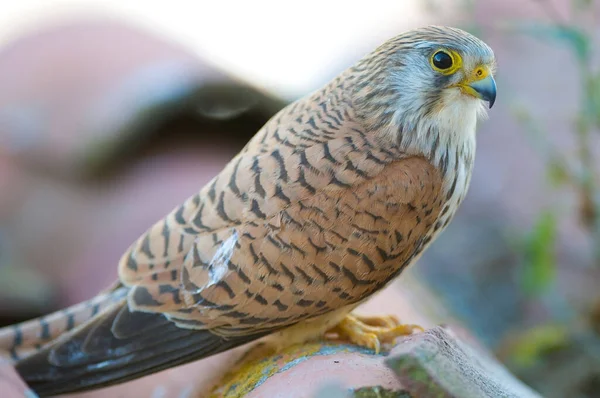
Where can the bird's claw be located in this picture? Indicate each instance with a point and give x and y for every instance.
(388, 321)
(373, 331)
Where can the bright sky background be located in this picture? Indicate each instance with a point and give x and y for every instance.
(280, 45)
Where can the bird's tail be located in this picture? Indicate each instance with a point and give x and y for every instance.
(20, 340)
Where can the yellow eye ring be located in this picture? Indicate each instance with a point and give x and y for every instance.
(445, 62)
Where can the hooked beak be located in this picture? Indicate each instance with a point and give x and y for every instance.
(484, 89)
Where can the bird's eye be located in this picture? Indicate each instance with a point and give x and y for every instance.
(442, 60)
(446, 62)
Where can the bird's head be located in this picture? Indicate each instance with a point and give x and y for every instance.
(433, 81)
(439, 63)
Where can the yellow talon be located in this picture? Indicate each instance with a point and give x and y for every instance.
(373, 331)
(388, 321)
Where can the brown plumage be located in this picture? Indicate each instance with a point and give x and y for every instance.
(333, 197)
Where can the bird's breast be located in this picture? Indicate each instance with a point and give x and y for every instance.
(362, 235)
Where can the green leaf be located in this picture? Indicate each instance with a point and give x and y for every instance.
(557, 172)
(576, 39)
(531, 345)
(540, 261)
(593, 95)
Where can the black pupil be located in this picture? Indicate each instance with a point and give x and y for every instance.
(442, 60)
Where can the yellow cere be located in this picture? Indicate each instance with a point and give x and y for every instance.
(479, 73)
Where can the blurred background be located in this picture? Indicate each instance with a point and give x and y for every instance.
(112, 113)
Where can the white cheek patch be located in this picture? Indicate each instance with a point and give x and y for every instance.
(459, 112)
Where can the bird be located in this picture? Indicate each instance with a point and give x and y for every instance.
(332, 199)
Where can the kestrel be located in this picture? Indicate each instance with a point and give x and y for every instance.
(337, 194)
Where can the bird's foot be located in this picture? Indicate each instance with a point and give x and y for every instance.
(373, 331)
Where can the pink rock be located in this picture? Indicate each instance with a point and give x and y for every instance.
(345, 370)
(79, 84)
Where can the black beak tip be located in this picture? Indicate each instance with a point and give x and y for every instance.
(486, 90)
(490, 94)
